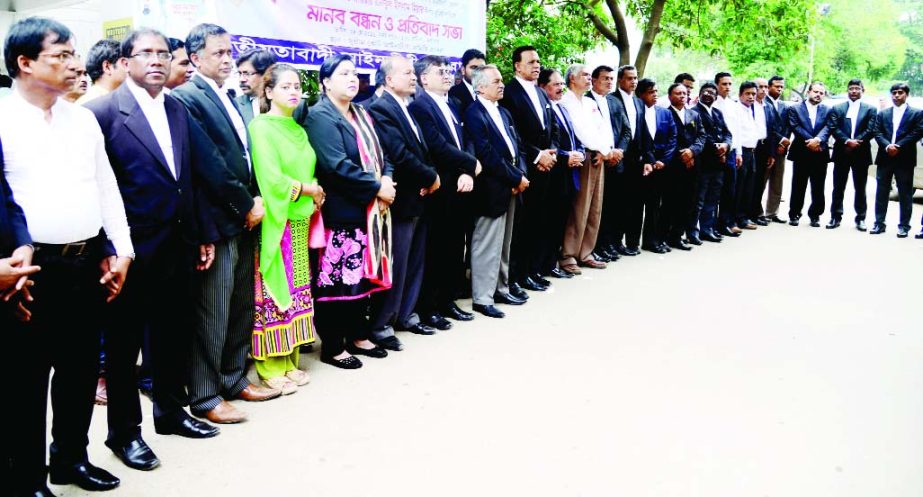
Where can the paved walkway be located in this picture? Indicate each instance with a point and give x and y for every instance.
(786, 363)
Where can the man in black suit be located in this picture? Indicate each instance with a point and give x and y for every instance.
(251, 65)
(227, 212)
(711, 166)
(809, 153)
(629, 203)
(496, 192)
(463, 93)
(564, 178)
(780, 136)
(447, 210)
(415, 177)
(147, 141)
(537, 128)
(658, 148)
(679, 188)
(897, 131)
(852, 124)
(764, 153)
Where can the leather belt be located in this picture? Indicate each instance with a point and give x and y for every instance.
(75, 249)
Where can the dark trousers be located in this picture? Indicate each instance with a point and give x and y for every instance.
(630, 205)
(611, 230)
(64, 335)
(760, 175)
(678, 201)
(903, 176)
(444, 267)
(340, 322)
(157, 284)
(557, 210)
(395, 307)
(224, 324)
(744, 192)
(653, 186)
(804, 171)
(707, 192)
(529, 235)
(860, 174)
(728, 206)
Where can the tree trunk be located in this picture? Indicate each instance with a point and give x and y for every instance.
(650, 34)
(622, 30)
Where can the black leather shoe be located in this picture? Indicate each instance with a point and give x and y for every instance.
(389, 343)
(529, 284)
(657, 249)
(777, 219)
(632, 251)
(187, 427)
(84, 475)
(378, 352)
(611, 253)
(135, 454)
(454, 312)
(41, 492)
(541, 280)
(600, 257)
(621, 249)
(560, 273)
(666, 247)
(833, 224)
(694, 240)
(793, 221)
(902, 232)
(518, 292)
(710, 237)
(717, 235)
(762, 221)
(877, 229)
(815, 222)
(919, 236)
(727, 232)
(860, 225)
(488, 310)
(421, 329)
(679, 245)
(504, 298)
(436, 320)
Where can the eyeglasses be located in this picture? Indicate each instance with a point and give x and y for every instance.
(444, 72)
(62, 57)
(247, 74)
(145, 56)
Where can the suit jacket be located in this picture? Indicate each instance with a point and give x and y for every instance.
(716, 131)
(632, 152)
(461, 96)
(225, 185)
(501, 171)
(159, 206)
(909, 132)
(569, 178)
(534, 138)
(800, 123)
(450, 160)
(690, 135)
(841, 127)
(663, 146)
(246, 108)
(409, 155)
(777, 126)
(349, 188)
(14, 231)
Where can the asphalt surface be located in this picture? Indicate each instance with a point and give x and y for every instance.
(785, 363)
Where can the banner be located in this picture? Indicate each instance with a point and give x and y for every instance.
(303, 32)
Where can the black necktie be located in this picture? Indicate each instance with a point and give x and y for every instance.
(232, 93)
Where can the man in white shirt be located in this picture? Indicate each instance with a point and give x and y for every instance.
(104, 70)
(749, 140)
(56, 166)
(623, 203)
(763, 155)
(852, 124)
(780, 138)
(727, 223)
(809, 153)
(251, 65)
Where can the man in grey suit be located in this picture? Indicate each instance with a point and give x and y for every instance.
(251, 65)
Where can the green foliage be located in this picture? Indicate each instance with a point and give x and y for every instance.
(911, 26)
(559, 33)
(310, 85)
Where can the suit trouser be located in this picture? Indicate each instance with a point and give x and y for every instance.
(339, 322)
(583, 222)
(394, 307)
(678, 201)
(444, 267)
(154, 300)
(490, 255)
(745, 181)
(903, 176)
(776, 180)
(727, 213)
(611, 230)
(63, 335)
(707, 193)
(224, 324)
(653, 186)
(804, 171)
(554, 218)
(860, 174)
(630, 204)
(760, 176)
(530, 227)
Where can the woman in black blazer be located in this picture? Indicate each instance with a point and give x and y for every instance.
(356, 260)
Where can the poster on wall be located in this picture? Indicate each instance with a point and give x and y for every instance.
(304, 32)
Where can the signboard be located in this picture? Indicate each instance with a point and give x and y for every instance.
(304, 32)
(117, 29)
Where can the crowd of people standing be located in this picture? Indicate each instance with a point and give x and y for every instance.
(163, 213)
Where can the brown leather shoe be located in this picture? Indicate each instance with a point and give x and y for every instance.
(102, 396)
(571, 269)
(225, 414)
(591, 263)
(749, 226)
(254, 393)
(735, 229)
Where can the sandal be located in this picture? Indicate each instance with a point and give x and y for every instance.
(282, 383)
(299, 377)
(351, 362)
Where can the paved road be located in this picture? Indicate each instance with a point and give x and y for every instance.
(785, 363)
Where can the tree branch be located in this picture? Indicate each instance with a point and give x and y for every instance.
(650, 34)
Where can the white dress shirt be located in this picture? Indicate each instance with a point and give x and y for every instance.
(746, 125)
(812, 114)
(629, 102)
(761, 128)
(896, 120)
(681, 113)
(588, 122)
(403, 103)
(605, 112)
(493, 110)
(232, 111)
(852, 113)
(532, 92)
(650, 117)
(60, 174)
(727, 108)
(156, 113)
(442, 101)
